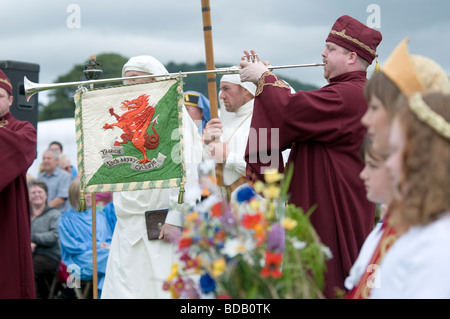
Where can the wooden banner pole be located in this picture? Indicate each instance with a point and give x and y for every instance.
(94, 248)
(212, 85)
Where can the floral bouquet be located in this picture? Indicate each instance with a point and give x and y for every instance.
(252, 246)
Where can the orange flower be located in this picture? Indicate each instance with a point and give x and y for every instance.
(251, 221)
(260, 237)
(272, 267)
(219, 236)
(205, 192)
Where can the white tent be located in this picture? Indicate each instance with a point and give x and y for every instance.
(61, 130)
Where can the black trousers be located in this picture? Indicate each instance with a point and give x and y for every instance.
(45, 269)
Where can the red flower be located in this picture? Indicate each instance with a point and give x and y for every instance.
(166, 285)
(188, 261)
(219, 236)
(178, 286)
(184, 242)
(250, 221)
(216, 210)
(272, 267)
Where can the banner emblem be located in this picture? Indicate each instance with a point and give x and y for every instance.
(129, 137)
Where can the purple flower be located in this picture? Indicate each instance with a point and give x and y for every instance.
(227, 219)
(245, 194)
(207, 283)
(189, 291)
(276, 238)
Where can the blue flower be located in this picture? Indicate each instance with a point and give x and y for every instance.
(207, 283)
(245, 194)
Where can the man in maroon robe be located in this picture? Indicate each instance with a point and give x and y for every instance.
(17, 153)
(324, 130)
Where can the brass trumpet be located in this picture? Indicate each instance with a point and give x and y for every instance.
(32, 88)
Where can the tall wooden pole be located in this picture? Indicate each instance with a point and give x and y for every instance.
(94, 248)
(212, 85)
(207, 33)
(94, 242)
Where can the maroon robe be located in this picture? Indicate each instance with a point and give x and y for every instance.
(324, 130)
(17, 153)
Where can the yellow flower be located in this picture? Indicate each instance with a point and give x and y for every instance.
(192, 216)
(289, 223)
(254, 204)
(258, 186)
(174, 293)
(219, 266)
(270, 214)
(272, 175)
(272, 192)
(173, 273)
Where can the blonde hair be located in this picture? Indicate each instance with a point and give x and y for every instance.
(75, 192)
(425, 184)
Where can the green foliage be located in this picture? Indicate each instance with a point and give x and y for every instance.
(307, 265)
(61, 103)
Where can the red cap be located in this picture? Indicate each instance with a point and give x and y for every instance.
(354, 36)
(5, 83)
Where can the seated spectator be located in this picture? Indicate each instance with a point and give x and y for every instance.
(57, 146)
(57, 180)
(75, 232)
(66, 165)
(44, 237)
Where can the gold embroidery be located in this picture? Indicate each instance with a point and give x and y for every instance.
(3, 123)
(428, 116)
(6, 82)
(356, 41)
(387, 243)
(262, 83)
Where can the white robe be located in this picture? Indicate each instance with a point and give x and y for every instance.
(417, 265)
(365, 255)
(137, 267)
(235, 134)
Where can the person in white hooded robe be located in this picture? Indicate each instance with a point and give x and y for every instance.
(136, 266)
(226, 138)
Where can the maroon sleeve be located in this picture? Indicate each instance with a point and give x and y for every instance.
(18, 149)
(281, 118)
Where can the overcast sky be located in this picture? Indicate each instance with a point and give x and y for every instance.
(53, 35)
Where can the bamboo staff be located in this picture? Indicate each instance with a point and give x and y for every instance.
(212, 85)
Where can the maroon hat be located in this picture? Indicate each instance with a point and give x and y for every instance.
(5, 83)
(352, 35)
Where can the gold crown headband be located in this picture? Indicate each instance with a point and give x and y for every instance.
(400, 69)
(428, 116)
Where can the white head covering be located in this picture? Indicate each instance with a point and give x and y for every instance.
(144, 63)
(236, 79)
